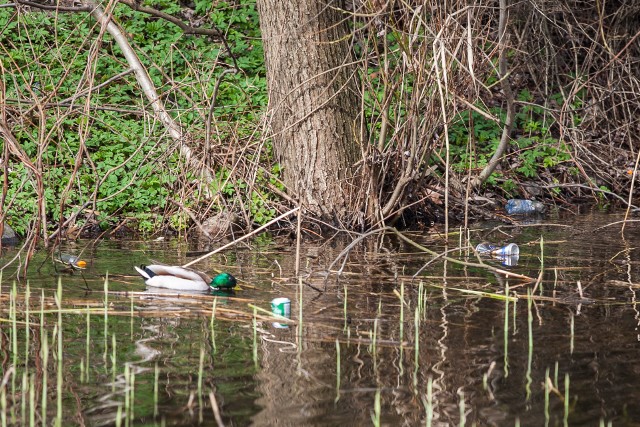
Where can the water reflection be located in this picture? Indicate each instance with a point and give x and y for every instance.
(490, 352)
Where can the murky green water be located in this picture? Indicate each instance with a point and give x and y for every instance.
(139, 358)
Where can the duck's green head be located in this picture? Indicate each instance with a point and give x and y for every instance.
(223, 281)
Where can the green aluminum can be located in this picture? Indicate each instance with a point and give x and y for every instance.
(281, 307)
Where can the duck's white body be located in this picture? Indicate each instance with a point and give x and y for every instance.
(172, 277)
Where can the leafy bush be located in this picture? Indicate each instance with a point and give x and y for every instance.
(533, 150)
(127, 164)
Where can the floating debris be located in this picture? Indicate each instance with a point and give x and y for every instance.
(489, 249)
(524, 207)
(71, 261)
(281, 307)
(508, 254)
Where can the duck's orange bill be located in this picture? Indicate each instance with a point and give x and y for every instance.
(81, 264)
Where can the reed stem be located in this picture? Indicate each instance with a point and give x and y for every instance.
(338, 372)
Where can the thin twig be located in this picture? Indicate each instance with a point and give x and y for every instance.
(187, 29)
(298, 241)
(345, 251)
(216, 409)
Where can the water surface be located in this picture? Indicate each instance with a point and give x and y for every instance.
(566, 355)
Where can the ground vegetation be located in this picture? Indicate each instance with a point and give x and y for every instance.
(438, 112)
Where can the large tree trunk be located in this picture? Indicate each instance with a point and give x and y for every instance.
(314, 103)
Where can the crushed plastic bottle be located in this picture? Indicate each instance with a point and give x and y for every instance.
(524, 207)
(500, 251)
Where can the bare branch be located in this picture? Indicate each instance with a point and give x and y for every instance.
(85, 8)
(187, 29)
(213, 32)
(175, 131)
(508, 94)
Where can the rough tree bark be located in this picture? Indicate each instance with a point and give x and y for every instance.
(313, 99)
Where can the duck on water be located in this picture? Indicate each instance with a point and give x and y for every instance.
(184, 279)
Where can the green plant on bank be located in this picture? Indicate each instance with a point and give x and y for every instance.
(534, 147)
(258, 196)
(127, 165)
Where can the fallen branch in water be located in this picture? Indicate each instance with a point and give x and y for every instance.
(506, 273)
(344, 253)
(246, 236)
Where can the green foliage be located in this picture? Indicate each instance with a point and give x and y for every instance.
(129, 167)
(256, 195)
(533, 150)
(538, 149)
(486, 135)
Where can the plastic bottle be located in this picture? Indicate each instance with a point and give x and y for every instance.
(524, 207)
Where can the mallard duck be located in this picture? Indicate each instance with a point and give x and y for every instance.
(184, 279)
